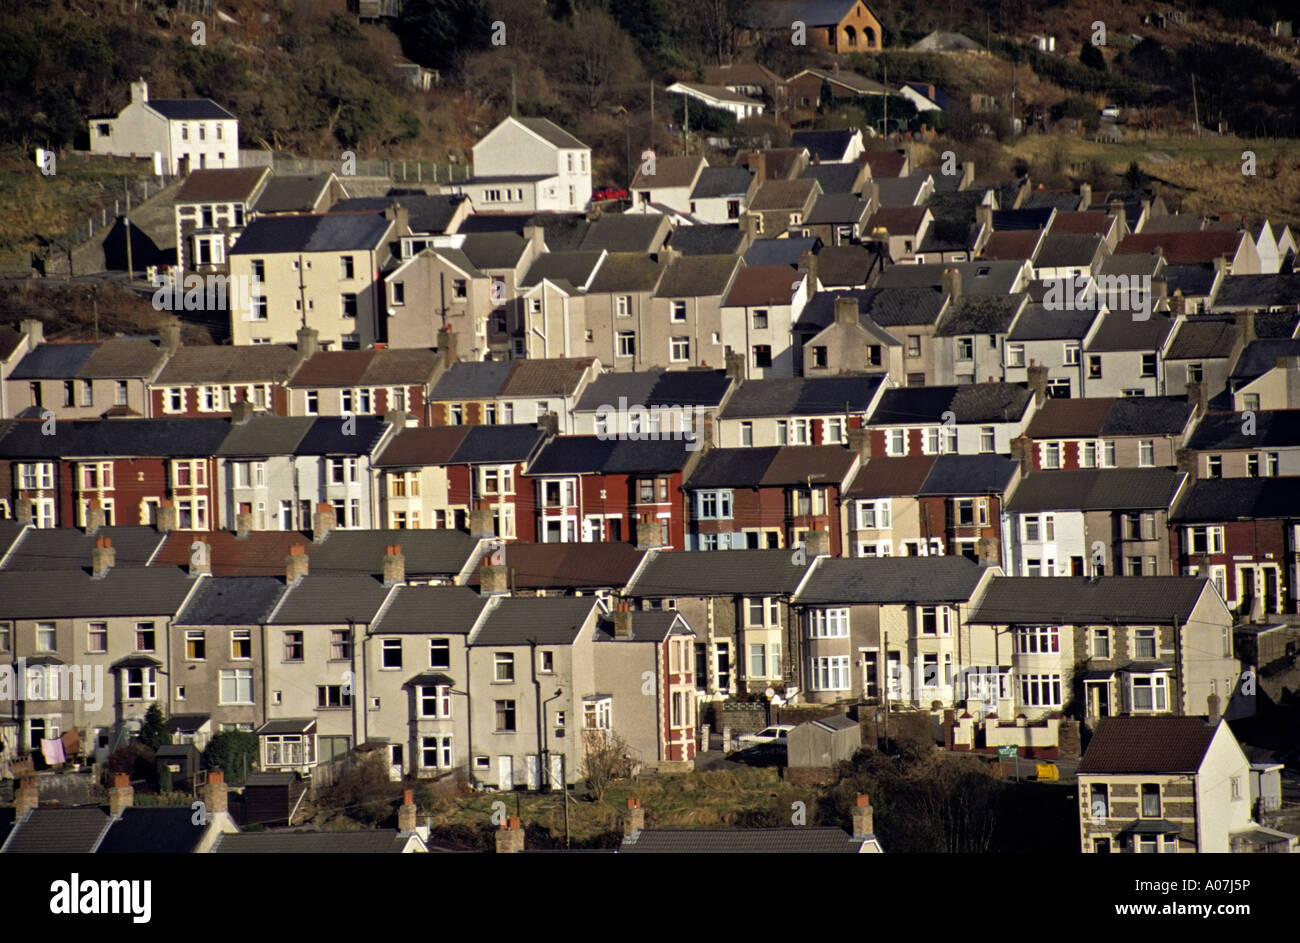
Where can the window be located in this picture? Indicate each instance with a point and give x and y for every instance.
(340, 645)
(1271, 463)
(1051, 454)
(934, 620)
(913, 345)
(1040, 690)
(626, 344)
(1100, 642)
(236, 685)
(174, 399)
(971, 512)
(332, 696)
(1015, 355)
(830, 673)
(1072, 354)
(965, 348)
(196, 645)
(1252, 465)
(87, 394)
(874, 515)
(505, 716)
(548, 663)
(439, 653)
(1148, 365)
(120, 390)
(1108, 453)
(313, 402)
(758, 661)
(678, 309)
(6, 636)
(293, 646)
(762, 356)
(97, 637)
(1144, 643)
(1094, 366)
(1150, 800)
(1150, 693)
(762, 611)
(1037, 640)
(746, 433)
(435, 700)
(760, 319)
(828, 623)
(96, 476)
(596, 713)
(679, 350)
(146, 637)
(189, 474)
(459, 289)
(1214, 466)
(505, 666)
(988, 439)
(36, 476)
(1201, 540)
(436, 752)
(241, 644)
(623, 306)
(1033, 529)
(140, 684)
(896, 442)
(1099, 801)
(1146, 453)
(1088, 455)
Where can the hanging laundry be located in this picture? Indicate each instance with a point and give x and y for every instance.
(52, 750)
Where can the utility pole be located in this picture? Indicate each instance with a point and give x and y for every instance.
(130, 268)
(514, 103)
(1196, 111)
(885, 66)
(652, 114)
(94, 302)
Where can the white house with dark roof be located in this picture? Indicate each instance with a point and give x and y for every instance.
(723, 99)
(526, 165)
(189, 133)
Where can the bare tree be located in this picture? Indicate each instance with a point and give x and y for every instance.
(605, 758)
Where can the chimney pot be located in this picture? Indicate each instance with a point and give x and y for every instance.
(121, 795)
(103, 558)
(295, 564)
(26, 797)
(323, 521)
(394, 566)
(406, 821)
(165, 519)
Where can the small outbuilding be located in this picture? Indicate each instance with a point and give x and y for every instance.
(821, 744)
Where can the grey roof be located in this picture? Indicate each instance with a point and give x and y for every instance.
(571, 269)
(1012, 220)
(59, 831)
(70, 594)
(1067, 201)
(189, 109)
(969, 474)
(187, 723)
(648, 625)
(970, 402)
(981, 314)
(1203, 339)
(263, 434)
(623, 232)
(1130, 263)
(888, 307)
(832, 208)
(472, 380)
(1273, 428)
(59, 548)
(321, 232)
(546, 620)
(277, 726)
(551, 132)
(748, 841)
(665, 388)
(427, 213)
(327, 436)
(717, 182)
(498, 444)
(53, 361)
(378, 841)
(998, 277)
(157, 830)
(232, 600)
(1258, 291)
(582, 454)
(291, 194)
(1037, 323)
(229, 364)
(780, 251)
(429, 552)
(1096, 489)
(1079, 600)
(802, 396)
(1240, 499)
(420, 610)
(1119, 331)
(707, 240)
(1158, 415)
(1259, 357)
(1191, 280)
(834, 178)
(777, 15)
(493, 250)
(1068, 250)
(836, 580)
(332, 599)
(828, 144)
(697, 276)
(718, 573)
(627, 271)
(898, 191)
(836, 722)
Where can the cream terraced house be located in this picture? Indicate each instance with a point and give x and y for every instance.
(189, 133)
(527, 165)
(314, 270)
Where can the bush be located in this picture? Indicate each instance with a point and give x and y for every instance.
(135, 759)
(234, 752)
(154, 732)
(363, 791)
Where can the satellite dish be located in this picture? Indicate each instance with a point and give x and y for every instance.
(771, 693)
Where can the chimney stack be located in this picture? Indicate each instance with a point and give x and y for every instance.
(984, 216)
(26, 797)
(735, 366)
(1248, 328)
(864, 820)
(986, 549)
(482, 525)
(406, 812)
(1188, 461)
(493, 580)
(1085, 196)
(846, 310)
(35, 331)
(967, 168)
(952, 283)
(95, 517)
(295, 564)
(447, 345)
(808, 265)
(1022, 451)
(634, 820)
(510, 837)
(165, 516)
(860, 442)
(649, 535)
(536, 237)
(817, 543)
(121, 794)
(1196, 396)
(243, 524)
(241, 410)
(394, 565)
(323, 521)
(169, 336)
(549, 423)
(200, 557)
(758, 165)
(103, 557)
(1037, 377)
(308, 342)
(215, 796)
(623, 620)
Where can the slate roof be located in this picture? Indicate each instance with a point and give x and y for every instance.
(260, 553)
(1071, 418)
(232, 600)
(833, 178)
(1119, 331)
(1060, 200)
(779, 15)
(320, 232)
(706, 240)
(555, 376)
(969, 474)
(623, 232)
(493, 250)
(423, 445)
(165, 830)
(472, 380)
(426, 213)
(1191, 280)
(187, 723)
(735, 467)
(377, 841)
(1039, 324)
(885, 163)
(189, 109)
(418, 610)
(1156, 745)
(1068, 250)
(1183, 247)
(668, 172)
(898, 191)
(228, 364)
(1039, 218)
(288, 194)
(569, 268)
(793, 464)
(802, 396)
(828, 145)
(1096, 489)
(58, 831)
(326, 437)
(970, 402)
(666, 388)
(999, 278)
(1258, 291)
(592, 455)
(58, 548)
(74, 593)
(1273, 428)
(105, 438)
(1080, 221)
(762, 285)
(1081, 600)
(399, 366)
(114, 358)
(1239, 499)
(1260, 356)
(1203, 339)
(832, 208)
(783, 195)
(981, 314)
(220, 185)
(890, 580)
(848, 266)
(498, 444)
(429, 552)
(568, 566)
(696, 276)
(780, 251)
(263, 435)
(717, 92)
(718, 573)
(1159, 415)
(551, 132)
(548, 620)
(888, 476)
(626, 271)
(334, 599)
(646, 626)
(1137, 263)
(813, 839)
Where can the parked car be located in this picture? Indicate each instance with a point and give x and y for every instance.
(610, 192)
(777, 733)
(1110, 112)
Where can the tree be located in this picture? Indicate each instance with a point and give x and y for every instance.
(1134, 177)
(232, 751)
(600, 55)
(154, 732)
(1091, 56)
(435, 33)
(605, 758)
(363, 790)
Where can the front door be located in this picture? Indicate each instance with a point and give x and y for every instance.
(396, 762)
(533, 770)
(505, 772)
(1098, 699)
